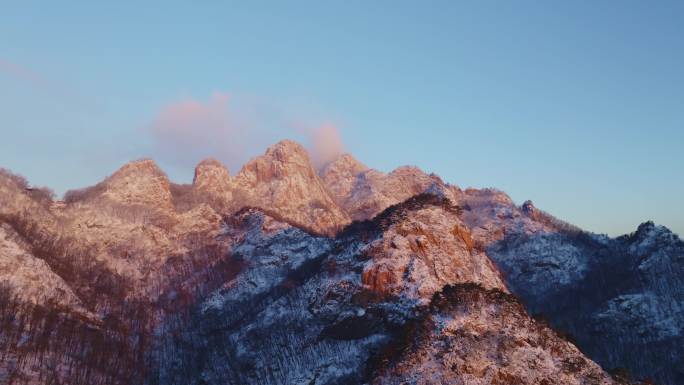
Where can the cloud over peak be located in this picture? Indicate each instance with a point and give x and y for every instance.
(326, 144)
(232, 130)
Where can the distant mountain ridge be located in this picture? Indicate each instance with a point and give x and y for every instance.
(284, 274)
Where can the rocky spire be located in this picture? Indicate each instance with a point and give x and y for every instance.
(281, 161)
(284, 182)
(139, 182)
(211, 176)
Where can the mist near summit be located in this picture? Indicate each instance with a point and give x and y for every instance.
(232, 130)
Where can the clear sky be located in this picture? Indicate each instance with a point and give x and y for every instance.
(577, 105)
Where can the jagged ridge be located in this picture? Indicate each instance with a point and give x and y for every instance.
(216, 282)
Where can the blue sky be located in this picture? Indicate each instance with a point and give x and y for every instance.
(578, 105)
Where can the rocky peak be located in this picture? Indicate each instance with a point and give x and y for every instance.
(287, 149)
(649, 232)
(282, 160)
(528, 207)
(340, 175)
(646, 227)
(423, 247)
(211, 176)
(143, 166)
(410, 178)
(283, 182)
(139, 182)
(365, 192)
(488, 196)
(209, 169)
(472, 335)
(407, 170)
(649, 238)
(344, 165)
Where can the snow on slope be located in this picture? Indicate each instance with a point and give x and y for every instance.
(232, 280)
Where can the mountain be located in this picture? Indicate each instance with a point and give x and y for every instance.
(622, 299)
(284, 274)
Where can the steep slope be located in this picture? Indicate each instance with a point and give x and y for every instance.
(470, 335)
(139, 183)
(312, 310)
(130, 224)
(601, 290)
(212, 184)
(212, 177)
(24, 275)
(283, 181)
(30, 279)
(424, 246)
(83, 282)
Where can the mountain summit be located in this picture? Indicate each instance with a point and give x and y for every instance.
(284, 274)
(284, 181)
(139, 182)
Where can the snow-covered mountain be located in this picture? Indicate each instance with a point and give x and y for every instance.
(283, 274)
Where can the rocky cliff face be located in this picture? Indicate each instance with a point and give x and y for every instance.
(262, 278)
(213, 180)
(282, 182)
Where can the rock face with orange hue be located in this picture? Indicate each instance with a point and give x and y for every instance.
(263, 278)
(283, 181)
(420, 253)
(212, 177)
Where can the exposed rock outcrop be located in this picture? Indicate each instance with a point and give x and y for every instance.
(283, 182)
(140, 182)
(213, 179)
(424, 249)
